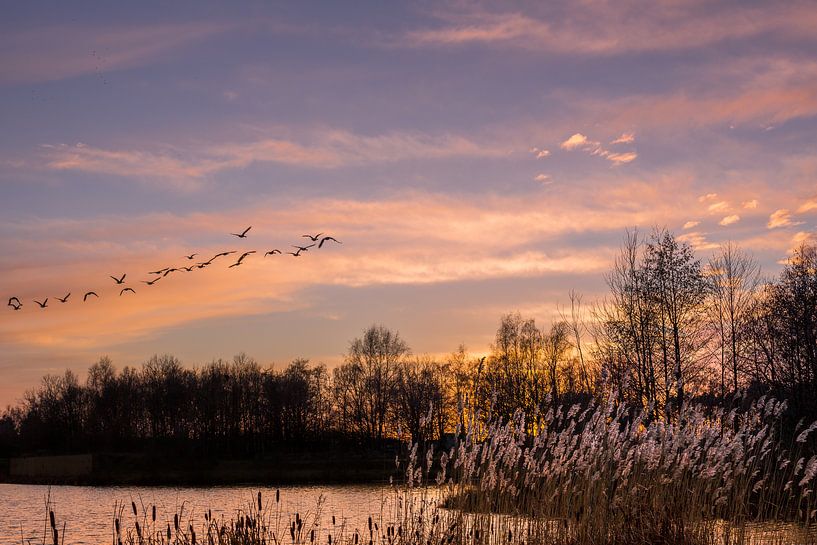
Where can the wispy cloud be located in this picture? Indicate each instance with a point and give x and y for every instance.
(808, 206)
(719, 206)
(625, 138)
(729, 220)
(607, 29)
(579, 141)
(64, 51)
(319, 149)
(780, 218)
(690, 224)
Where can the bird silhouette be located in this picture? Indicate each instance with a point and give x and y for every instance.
(272, 252)
(191, 256)
(126, 289)
(188, 269)
(240, 259)
(324, 239)
(43, 304)
(119, 280)
(302, 248)
(17, 306)
(160, 271)
(168, 271)
(243, 234)
(64, 299)
(312, 238)
(151, 282)
(85, 297)
(295, 254)
(222, 254)
(11, 301)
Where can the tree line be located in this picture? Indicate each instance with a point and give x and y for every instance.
(672, 329)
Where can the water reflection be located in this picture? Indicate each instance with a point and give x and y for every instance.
(88, 512)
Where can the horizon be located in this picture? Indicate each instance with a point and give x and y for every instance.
(474, 159)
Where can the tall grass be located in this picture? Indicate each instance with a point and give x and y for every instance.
(606, 475)
(601, 475)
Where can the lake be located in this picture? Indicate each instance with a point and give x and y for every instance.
(88, 511)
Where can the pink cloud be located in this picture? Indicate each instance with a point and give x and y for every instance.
(780, 218)
(58, 52)
(607, 29)
(323, 149)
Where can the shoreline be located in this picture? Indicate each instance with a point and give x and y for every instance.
(139, 469)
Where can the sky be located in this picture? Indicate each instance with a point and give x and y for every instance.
(473, 158)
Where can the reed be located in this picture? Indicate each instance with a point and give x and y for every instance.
(601, 475)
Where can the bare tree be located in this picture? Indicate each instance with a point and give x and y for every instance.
(734, 280)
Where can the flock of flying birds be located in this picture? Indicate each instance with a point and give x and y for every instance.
(317, 240)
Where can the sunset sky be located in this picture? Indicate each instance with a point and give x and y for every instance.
(474, 158)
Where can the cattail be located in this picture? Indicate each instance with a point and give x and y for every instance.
(259, 500)
(356, 537)
(56, 537)
(312, 536)
(176, 522)
(133, 506)
(192, 535)
(277, 495)
(138, 530)
(116, 525)
(153, 514)
(330, 539)
(333, 520)
(53, 519)
(168, 531)
(370, 525)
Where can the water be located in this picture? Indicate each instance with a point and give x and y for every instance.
(88, 511)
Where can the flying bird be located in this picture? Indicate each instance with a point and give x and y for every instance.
(324, 239)
(191, 256)
(160, 271)
(240, 259)
(17, 306)
(295, 254)
(168, 271)
(85, 297)
(272, 252)
(119, 280)
(43, 304)
(64, 299)
(302, 248)
(151, 282)
(222, 254)
(313, 239)
(243, 234)
(12, 299)
(126, 289)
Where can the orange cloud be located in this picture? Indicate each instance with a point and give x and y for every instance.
(729, 220)
(780, 218)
